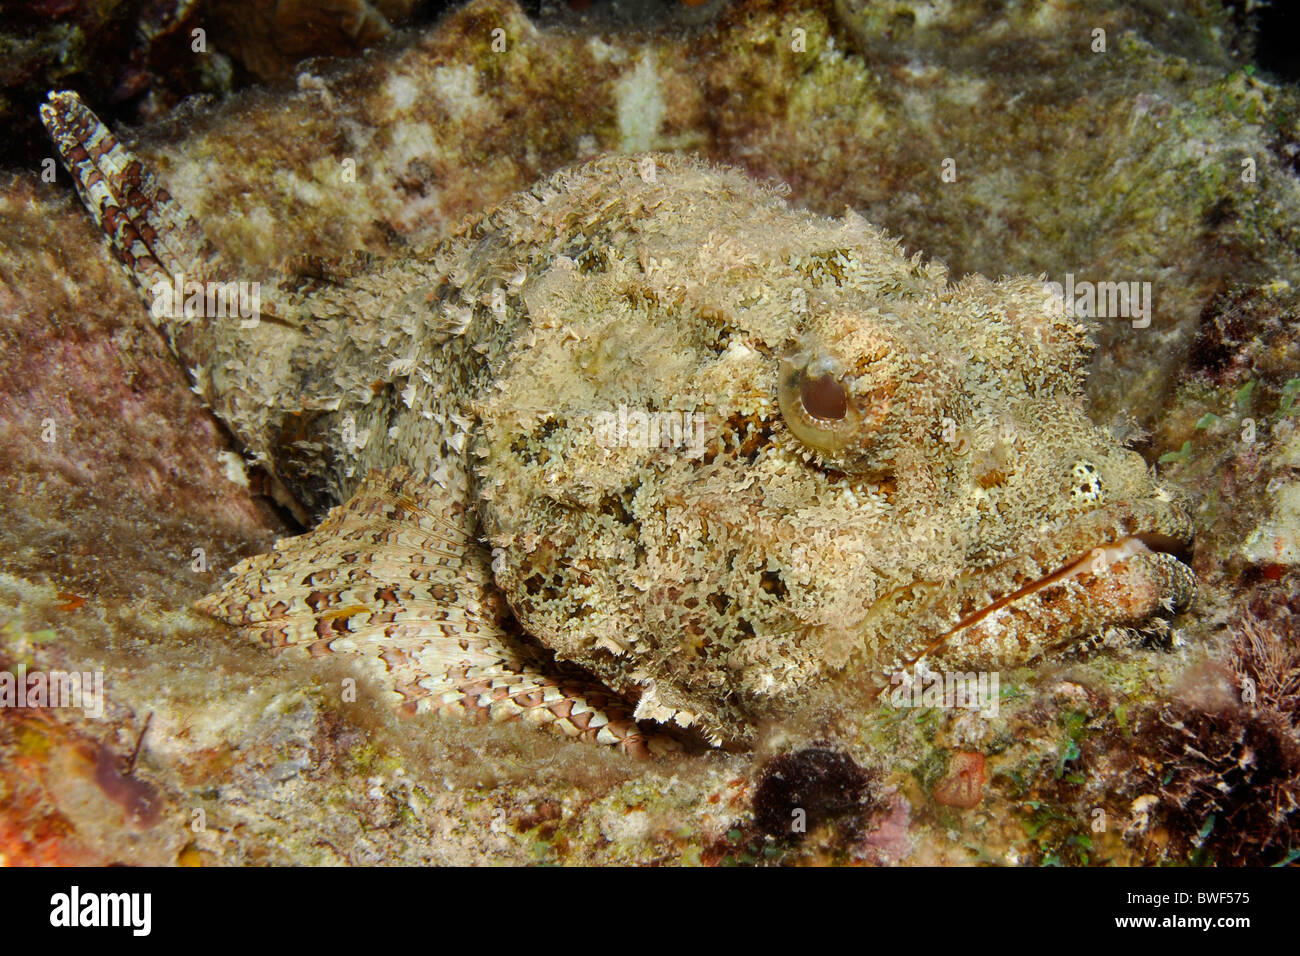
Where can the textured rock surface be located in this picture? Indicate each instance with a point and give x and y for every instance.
(1124, 166)
(139, 58)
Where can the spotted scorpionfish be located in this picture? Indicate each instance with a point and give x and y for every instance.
(644, 447)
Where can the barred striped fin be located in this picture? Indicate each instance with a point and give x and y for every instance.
(152, 235)
(236, 342)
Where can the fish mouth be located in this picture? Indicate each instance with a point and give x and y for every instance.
(1119, 567)
(1096, 560)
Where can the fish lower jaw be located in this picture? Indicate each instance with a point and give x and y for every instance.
(1123, 583)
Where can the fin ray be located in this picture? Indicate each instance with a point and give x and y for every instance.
(394, 578)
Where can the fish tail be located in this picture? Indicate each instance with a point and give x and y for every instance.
(237, 344)
(150, 232)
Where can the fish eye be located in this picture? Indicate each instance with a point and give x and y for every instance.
(824, 397)
(815, 402)
(840, 411)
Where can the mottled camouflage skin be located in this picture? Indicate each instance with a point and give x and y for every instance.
(883, 466)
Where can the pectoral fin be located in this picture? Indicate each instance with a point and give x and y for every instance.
(395, 578)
